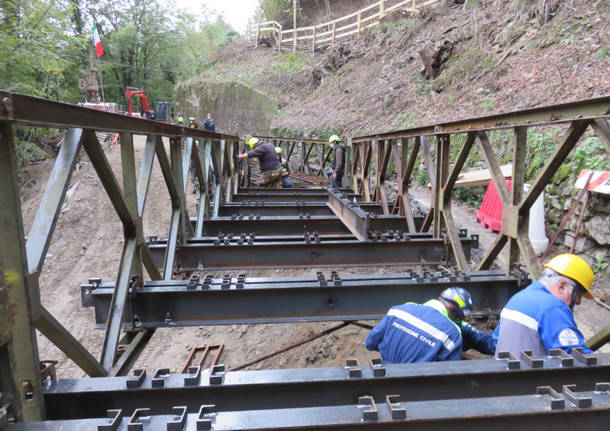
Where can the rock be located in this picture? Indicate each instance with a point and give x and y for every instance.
(583, 243)
(599, 229)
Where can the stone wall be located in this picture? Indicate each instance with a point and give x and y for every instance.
(235, 107)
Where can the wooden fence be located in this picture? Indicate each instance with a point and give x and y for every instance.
(317, 36)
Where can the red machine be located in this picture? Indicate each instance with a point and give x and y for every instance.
(162, 112)
(141, 94)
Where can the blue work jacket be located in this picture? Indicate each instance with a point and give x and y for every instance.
(416, 333)
(535, 319)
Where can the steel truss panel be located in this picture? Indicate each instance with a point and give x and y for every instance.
(293, 225)
(287, 209)
(545, 409)
(230, 300)
(403, 250)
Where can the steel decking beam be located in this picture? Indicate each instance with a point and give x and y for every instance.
(287, 198)
(293, 225)
(282, 209)
(239, 300)
(352, 216)
(292, 254)
(310, 387)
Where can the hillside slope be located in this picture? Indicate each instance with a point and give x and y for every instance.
(501, 59)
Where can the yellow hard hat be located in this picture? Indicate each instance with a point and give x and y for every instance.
(574, 267)
(333, 138)
(252, 142)
(278, 150)
(180, 119)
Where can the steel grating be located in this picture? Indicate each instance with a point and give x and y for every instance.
(249, 251)
(331, 297)
(310, 387)
(293, 225)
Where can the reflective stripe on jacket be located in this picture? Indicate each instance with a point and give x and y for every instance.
(534, 319)
(416, 333)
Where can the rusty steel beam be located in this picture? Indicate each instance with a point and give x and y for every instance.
(352, 216)
(387, 249)
(590, 109)
(295, 225)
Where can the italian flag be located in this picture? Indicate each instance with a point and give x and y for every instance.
(97, 42)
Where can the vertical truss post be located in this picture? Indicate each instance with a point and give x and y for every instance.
(406, 178)
(130, 191)
(217, 165)
(227, 150)
(442, 171)
(431, 171)
(146, 165)
(365, 163)
(356, 160)
(180, 173)
(24, 368)
(445, 201)
(204, 200)
(320, 155)
(602, 130)
(518, 179)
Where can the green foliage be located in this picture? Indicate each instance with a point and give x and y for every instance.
(471, 195)
(589, 155)
(467, 66)
(422, 175)
(291, 63)
(601, 263)
(602, 52)
(276, 10)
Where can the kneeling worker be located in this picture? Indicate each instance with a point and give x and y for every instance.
(286, 183)
(268, 161)
(434, 331)
(540, 317)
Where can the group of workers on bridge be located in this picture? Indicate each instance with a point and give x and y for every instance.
(538, 318)
(208, 123)
(275, 170)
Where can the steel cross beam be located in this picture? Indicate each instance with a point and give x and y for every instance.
(310, 387)
(389, 250)
(287, 198)
(237, 300)
(352, 216)
(286, 209)
(293, 225)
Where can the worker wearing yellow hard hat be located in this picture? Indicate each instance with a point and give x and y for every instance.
(338, 165)
(286, 182)
(268, 161)
(540, 317)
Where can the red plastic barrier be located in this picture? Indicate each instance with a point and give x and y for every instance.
(490, 214)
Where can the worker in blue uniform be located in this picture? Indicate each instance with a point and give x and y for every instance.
(540, 317)
(433, 331)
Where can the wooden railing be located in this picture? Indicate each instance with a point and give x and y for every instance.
(327, 33)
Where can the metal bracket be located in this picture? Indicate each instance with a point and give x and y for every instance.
(204, 422)
(158, 380)
(137, 379)
(397, 412)
(557, 402)
(566, 360)
(512, 363)
(113, 424)
(217, 374)
(579, 402)
(193, 377)
(179, 419)
(378, 369)
(353, 368)
(526, 356)
(369, 412)
(133, 424)
(588, 360)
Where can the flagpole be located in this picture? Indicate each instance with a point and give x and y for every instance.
(99, 66)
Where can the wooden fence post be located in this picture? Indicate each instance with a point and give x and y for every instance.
(359, 21)
(294, 26)
(279, 36)
(381, 9)
(313, 46)
(334, 31)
